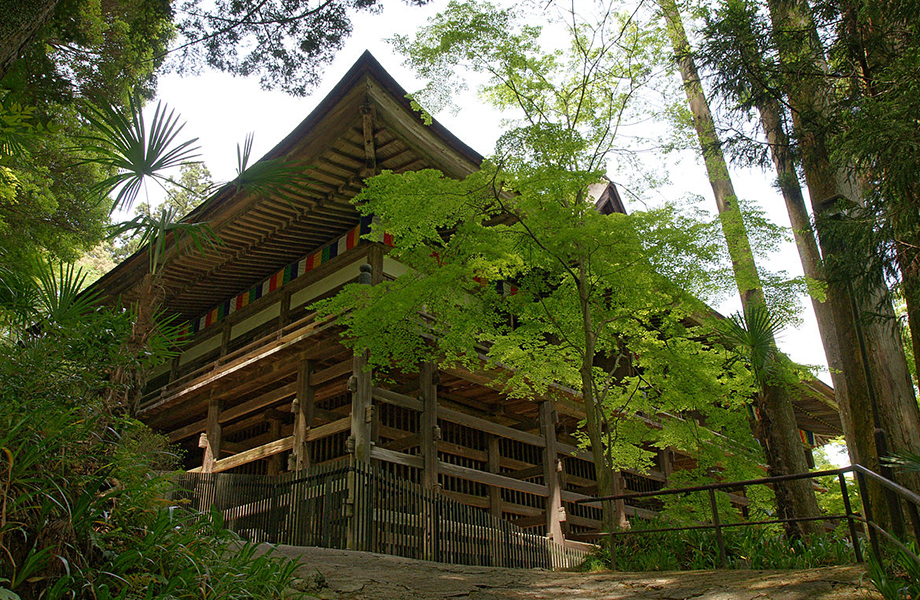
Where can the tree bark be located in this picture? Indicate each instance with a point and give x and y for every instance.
(777, 425)
(21, 21)
(879, 387)
(843, 360)
(593, 420)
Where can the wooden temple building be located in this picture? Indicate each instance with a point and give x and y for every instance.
(262, 388)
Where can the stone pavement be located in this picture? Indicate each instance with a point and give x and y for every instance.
(344, 575)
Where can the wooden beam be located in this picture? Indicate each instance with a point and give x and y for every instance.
(552, 465)
(340, 370)
(397, 399)
(489, 427)
(258, 402)
(398, 458)
(187, 431)
(316, 350)
(468, 499)
(403, 443)
(428, 426)
(458, 450)
(492, 479)
(527, 473)
(527, 522)
(258, 453)
(318, 433)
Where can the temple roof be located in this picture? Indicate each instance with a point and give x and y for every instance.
(364, 125)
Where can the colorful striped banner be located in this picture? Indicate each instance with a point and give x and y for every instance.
(808, 437)
(290, 272)
(294, 270)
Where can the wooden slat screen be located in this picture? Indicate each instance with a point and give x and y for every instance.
(328, 504)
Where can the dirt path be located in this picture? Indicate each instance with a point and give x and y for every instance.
(343, 575)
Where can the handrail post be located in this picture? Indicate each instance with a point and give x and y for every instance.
(867, 508)
(846, 505)
(718, 526)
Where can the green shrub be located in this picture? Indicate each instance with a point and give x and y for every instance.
(745, 548)
(82, 513)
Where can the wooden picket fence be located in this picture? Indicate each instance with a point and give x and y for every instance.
(361, 507)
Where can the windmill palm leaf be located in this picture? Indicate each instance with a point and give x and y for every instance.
(753, 334)
(154, 231)
(123, 143)
(274, 177)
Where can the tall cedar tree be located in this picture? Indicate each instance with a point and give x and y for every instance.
(738, 50)
(776, 425)
(881, 361)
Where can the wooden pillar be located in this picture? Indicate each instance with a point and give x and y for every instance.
(285, 317)
(213, 436)
(429, 431)
(666, 463)
(375, 260)
(274, 461)
(551, 468)
(359, 442)
(370, 149)
(361, 411)
(495, 459)
(302, 407)
(174, 368)
(225, 337)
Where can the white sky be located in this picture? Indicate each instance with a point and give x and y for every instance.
(220, 110)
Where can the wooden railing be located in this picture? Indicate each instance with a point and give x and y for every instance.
(361, 507)
(258, 349)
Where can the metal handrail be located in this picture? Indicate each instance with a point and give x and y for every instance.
(892, 490)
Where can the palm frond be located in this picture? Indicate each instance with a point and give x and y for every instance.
(165, 340)
(43, 294)
(275, 177)
(752, 334)
(18, 298)
(904, 461)
(153, 232)
(59, 296)
(121, 142)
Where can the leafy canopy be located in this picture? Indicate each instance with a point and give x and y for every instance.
(515, 268)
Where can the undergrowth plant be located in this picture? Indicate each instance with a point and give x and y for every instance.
(82, 513)
(897, 578)
(745, 548)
